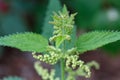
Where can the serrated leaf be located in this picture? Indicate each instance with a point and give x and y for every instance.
(96, 39)
(25, 41)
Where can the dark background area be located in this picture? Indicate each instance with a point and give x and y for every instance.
(33, 15)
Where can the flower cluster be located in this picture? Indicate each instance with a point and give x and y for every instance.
(48, 58)
(73, 62)
(44, 73)
(63, 25)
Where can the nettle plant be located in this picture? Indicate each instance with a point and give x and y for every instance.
(70, 64)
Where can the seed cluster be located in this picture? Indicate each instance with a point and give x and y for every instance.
(48, 58)
(44, 73)
(63, 25)
(73, 62)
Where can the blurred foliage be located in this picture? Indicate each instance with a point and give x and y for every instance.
(107, 20)
(40, 14)
(86, 10)
(13, 78)
(9, 23)
(115, 3)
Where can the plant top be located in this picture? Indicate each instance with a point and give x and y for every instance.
(70, 64)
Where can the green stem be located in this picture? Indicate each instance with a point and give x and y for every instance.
(63, 63)
(62, 70)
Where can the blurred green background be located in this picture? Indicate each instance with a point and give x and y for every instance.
(34, 15)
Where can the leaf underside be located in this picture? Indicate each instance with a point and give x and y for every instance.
(27, 41)
(96, 39)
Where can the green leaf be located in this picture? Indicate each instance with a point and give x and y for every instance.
(71, 43)
(65, 11)
(53, 6)
(96, 39)
(25, 41)
(59, 40)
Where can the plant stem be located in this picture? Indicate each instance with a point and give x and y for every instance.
(62, 64)
(62, 70)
